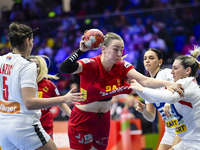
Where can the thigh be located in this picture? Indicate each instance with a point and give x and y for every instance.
(79, 139)
(101, 137)
(164, 147)
(178, 146)
(28, 137)
(50, 145)
(167, 139)
(5, 143)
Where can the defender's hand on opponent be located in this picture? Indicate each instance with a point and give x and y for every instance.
(73, 98)
(174, 87)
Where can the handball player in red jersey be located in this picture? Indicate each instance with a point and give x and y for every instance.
(46, 89)
(101, 78)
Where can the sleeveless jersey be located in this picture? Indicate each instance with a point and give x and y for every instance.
(16, 72)
(97, 84)
(170, 121)
(47, 89)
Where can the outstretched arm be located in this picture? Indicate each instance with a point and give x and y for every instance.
(159, 95)
(154, 83)
(31, 102)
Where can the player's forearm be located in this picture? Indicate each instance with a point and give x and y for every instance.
(161, 95)
(65, 108)
(148, 116)
(41, 103)
(147, 98)
(70, 64)
(154, 83)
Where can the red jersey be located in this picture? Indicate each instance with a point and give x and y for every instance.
(97, 84)
(47, 89)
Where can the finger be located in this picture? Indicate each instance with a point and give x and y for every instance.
(75, 103)
(171, 90)
(78, 94)
(180, 92)
(72, 90)
(85, 32)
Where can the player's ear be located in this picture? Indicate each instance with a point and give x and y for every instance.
(26, 41)
(103, 47)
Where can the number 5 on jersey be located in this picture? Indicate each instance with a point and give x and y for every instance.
(5, 89)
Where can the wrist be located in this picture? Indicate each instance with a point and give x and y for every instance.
(80, 51)
(141, 89)
(144, 111)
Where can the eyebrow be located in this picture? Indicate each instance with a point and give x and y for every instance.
(117, 46)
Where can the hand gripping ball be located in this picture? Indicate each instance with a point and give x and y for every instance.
(94, 39)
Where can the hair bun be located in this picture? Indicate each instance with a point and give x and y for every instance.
(13, 27)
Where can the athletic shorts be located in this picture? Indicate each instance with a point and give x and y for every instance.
(49, 131)
(22, 131)
(191, 145)
(168, 138)
(87, 129)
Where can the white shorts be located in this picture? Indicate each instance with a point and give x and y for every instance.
(168, 138)
(181, 146)
(22, 132)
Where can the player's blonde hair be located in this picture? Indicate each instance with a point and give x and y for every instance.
(111, 36)
(191, 61)
(43, 73)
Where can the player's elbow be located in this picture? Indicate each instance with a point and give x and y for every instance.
(28, 105)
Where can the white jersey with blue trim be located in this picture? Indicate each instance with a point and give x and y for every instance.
(186, 109)
(170, 121)
(16, 72)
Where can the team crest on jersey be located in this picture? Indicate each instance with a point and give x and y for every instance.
(45, 89)
(85, 60)
(127, 64)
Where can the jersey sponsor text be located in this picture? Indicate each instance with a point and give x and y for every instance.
(9, 107)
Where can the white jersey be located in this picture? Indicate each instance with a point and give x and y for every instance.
(186, 109)
(170, 121)
(16, 72)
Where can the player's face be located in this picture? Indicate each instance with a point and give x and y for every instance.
(178, 70)
(37, 64)
(151, 61)
(115, 50)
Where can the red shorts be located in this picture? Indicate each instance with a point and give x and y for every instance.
(87, 129)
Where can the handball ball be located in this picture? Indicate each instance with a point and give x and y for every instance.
(94, 39)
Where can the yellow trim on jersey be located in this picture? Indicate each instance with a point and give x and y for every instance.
(85, 93)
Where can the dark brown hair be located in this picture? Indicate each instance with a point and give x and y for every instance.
(18, 33)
